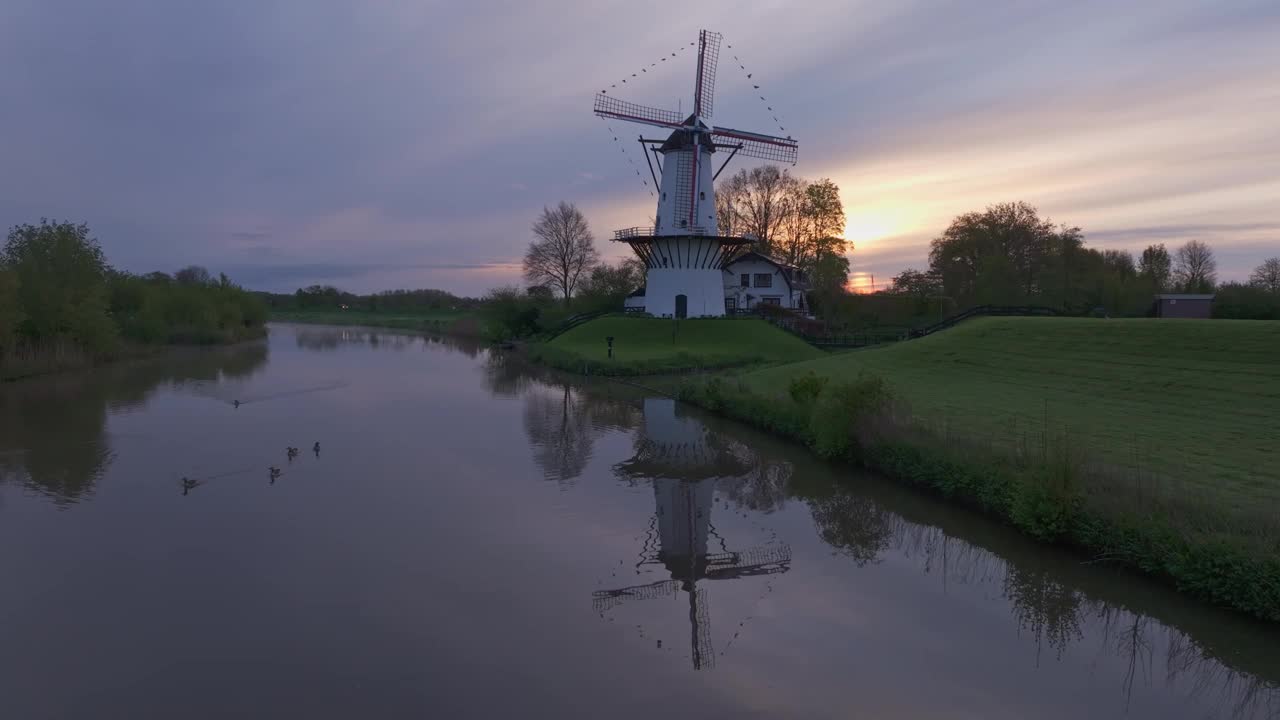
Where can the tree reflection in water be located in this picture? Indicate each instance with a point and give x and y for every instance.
(333, 337)
(53, 430)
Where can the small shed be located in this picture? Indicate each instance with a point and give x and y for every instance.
(1198, 307)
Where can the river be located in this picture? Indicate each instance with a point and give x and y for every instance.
(474, 538)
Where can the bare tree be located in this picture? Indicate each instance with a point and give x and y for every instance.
(564, 251)
(756, 202)
(1267, 275)
(1194, 268)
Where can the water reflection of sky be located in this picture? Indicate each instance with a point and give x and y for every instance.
(443, 551)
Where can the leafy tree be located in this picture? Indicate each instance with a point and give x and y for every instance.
(1267, 275)
(824, 209)
(62, 283)
(829, 269)
(829, 277)
(918, 284)
(1194, 268)
(1003, 255)
(607, 287)
(1156, 267)
(563, 252)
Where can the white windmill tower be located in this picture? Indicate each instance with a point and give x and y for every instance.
(685, 252)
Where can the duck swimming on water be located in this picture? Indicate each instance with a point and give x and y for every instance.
(316, 448)
(292, 452)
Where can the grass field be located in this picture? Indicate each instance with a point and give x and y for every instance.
(445, 321)
(650, 345)
(1191, 401)
(1153, 444)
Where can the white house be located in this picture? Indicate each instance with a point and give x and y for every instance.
(751, 280)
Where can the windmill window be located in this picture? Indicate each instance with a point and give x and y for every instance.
(664, 197)
(702, 196)
(764, 280)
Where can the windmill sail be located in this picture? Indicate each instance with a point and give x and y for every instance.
(757, 145)
(611, 107)
(705, 89)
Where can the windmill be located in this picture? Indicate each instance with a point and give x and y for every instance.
(684, 253)
(682, 460)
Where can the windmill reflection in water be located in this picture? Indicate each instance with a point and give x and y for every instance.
(683, 460)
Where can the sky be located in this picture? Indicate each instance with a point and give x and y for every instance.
(375, 144)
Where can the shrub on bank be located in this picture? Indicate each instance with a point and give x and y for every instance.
(1055, 496)
(62, 305)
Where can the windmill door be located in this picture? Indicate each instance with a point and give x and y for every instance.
(682, 306)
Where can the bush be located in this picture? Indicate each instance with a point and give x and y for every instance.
(509, 313)
(804, 389)
(1246, 302)
(845, 414)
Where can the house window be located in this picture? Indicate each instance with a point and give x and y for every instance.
(730, 304)
(764, 280)
(771, 300)
(746, 280)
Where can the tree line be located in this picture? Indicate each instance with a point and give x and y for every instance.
(1009, 255)
(328, 297)
(62, 303)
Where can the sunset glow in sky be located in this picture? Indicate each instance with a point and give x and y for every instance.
(411, 144)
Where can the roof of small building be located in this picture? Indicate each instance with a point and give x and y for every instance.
(1185, 296)
(788, 271)
(639, 292)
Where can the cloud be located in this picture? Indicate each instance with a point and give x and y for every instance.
(407, 138)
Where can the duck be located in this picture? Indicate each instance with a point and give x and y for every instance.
(316, 448)
(236, 403)
(188, 484)
(292, 452)
(275, 472)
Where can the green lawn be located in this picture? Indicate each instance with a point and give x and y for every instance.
(663, 344)
(1193, 401)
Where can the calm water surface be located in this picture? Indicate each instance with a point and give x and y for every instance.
(475, 540)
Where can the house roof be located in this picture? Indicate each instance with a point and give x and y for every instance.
(639, 292)
(1185, 296)
(788, 271)
(754, 255)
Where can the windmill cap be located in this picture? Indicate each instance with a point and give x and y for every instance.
(683, 139)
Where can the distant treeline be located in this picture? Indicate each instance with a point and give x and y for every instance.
(62, 305)
(327, 297)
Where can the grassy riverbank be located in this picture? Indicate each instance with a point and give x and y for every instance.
(644, 346)
(465, 324)
(1149, 443)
